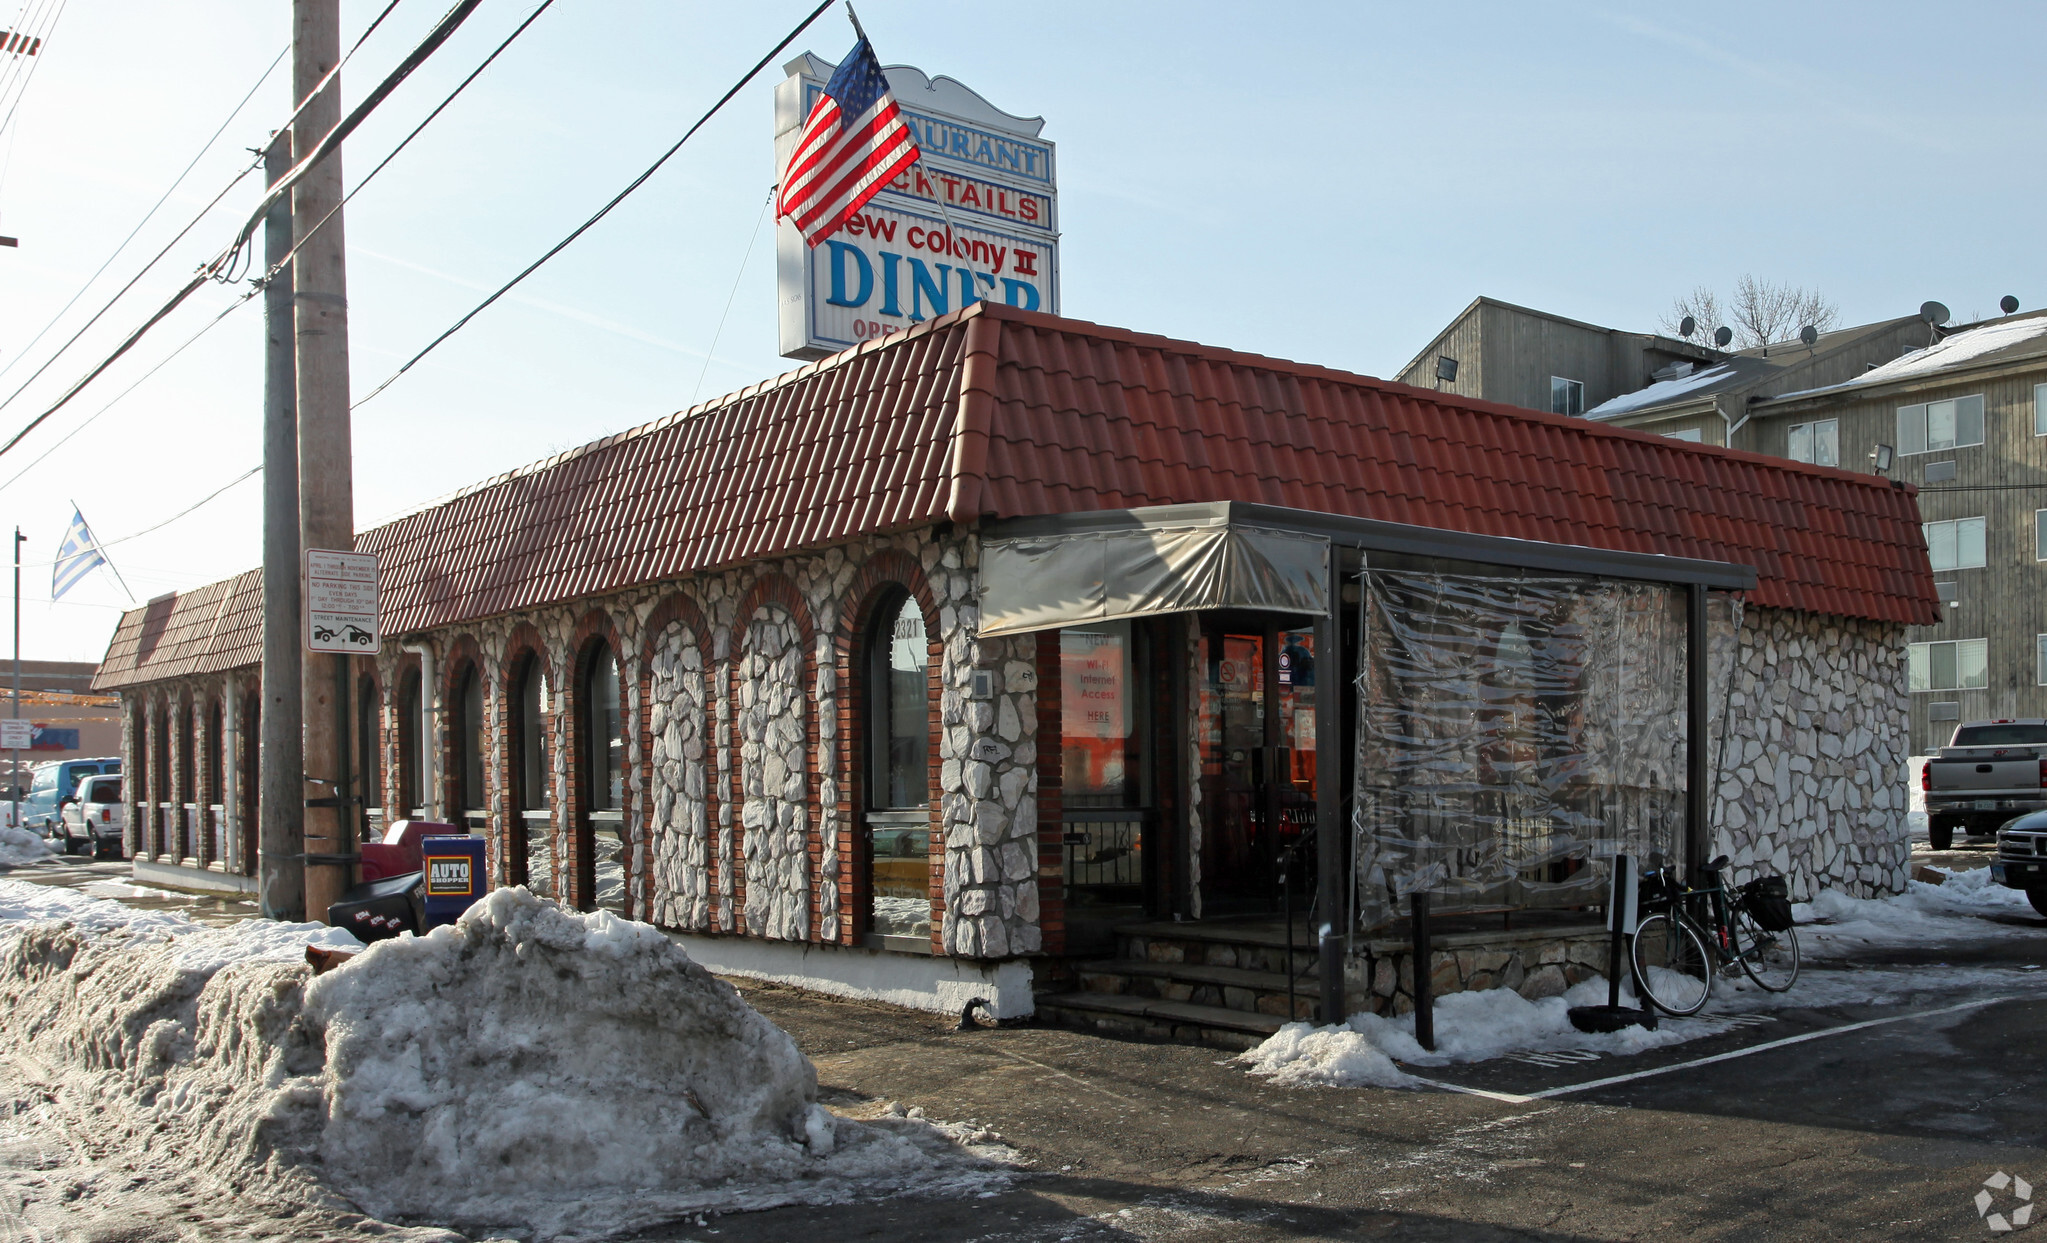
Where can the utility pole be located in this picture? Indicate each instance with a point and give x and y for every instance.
(281, 810)
(326, 480)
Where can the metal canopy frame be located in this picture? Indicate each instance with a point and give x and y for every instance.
(1367, 535)
(1373, 535)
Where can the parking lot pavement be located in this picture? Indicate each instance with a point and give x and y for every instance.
(115, 878)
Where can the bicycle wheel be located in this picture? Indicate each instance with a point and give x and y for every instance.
(1771, 959)
(1673, 971)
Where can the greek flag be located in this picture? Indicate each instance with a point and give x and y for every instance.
(78, 556)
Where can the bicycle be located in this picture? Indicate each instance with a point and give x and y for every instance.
(1695, 933)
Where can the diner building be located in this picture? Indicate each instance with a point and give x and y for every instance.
(1023, 658)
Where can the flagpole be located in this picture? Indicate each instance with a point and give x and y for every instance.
(102, 550)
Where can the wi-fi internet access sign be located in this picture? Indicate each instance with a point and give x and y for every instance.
(976, 218)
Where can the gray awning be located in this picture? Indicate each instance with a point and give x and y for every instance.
(1039, 582)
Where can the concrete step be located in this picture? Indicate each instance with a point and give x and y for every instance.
(1154, 1019)
(1233, 988)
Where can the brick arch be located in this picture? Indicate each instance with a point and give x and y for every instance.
(675, 607)
(879, 581)
(523, 644)
(778, 589)
(462, 651)
(576, 843)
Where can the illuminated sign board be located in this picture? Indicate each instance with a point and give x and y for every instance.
(976, 218)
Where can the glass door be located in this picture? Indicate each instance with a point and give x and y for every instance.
(1256, 733)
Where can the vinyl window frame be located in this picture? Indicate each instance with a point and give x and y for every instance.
(1915, 425)
(2040, 409)
(1566, 392)
(1922, 661)
(1812, 433)
(2040, 660)
(1955, 532)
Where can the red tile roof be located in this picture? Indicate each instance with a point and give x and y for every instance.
(1004, 413)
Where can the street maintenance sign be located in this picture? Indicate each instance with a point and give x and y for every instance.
(341, 602)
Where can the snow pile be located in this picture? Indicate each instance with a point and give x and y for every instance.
(530, 1067)
(1470, 1027)
(19, 847)
(1924, 914)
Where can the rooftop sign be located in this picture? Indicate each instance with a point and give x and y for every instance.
(976, 218)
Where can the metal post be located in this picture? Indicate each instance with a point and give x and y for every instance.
(1423, 952)
(280, 792)
(326, 488)
(1698, 778)
(1332, 747)
(15, 756)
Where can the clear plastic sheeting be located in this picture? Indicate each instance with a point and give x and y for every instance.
(1041, 582)
(1514, 735)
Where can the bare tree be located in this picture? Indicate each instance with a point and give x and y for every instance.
(1760, 313)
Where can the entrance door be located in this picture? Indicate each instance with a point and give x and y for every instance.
(1256, 731)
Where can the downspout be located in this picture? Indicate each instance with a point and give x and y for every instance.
(976, 415)
(430, 785)
(1733, 425)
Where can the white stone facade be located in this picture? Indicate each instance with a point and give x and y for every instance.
(1815, 729)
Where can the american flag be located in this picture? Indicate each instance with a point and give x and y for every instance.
(853, 143)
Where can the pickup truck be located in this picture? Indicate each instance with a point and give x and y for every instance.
(1989, 772)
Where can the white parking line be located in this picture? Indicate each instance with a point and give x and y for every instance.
(1513, 1098)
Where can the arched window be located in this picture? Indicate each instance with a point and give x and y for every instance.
(899, 774)
(603, 718)
(530, 726)
(603, 727)
(408, 743)
(901, 726)
(369, 750)
(469, 739)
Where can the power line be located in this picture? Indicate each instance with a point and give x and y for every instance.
(224, 191)
(326, 147)
(257, 469)
(151, 213)
(604, 211)
(736, 278)
(277, 267)
(28, 73)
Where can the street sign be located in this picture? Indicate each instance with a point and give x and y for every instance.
(341, 602)
(16, 735)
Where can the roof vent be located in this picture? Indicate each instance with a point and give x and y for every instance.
(1675, 371)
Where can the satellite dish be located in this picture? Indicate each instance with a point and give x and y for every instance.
(1809, 335)
(1933, 313)
(2008, 304)
(1687, 326)
(1722, 335)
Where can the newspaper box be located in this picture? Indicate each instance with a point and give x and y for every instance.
(454, 876)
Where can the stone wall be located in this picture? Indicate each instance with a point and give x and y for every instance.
(1811, 741)
(774, 766)
(989, 774)
(681, 830)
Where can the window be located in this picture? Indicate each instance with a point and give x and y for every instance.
(1818, 443)
(1958, 665)
(602, 722)
(2040, 534)
(1956, 545)
(1096, 715)
(1940, 425)
(369, 754)
(533, 766)
(469, 740)
(1690, 435)
(2040, 659)
(2040, 409)
(408, 744)
(899, 756)
(1566, 396)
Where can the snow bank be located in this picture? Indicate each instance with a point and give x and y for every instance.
(1922, 915)
(559, 1074)
(1370, 1051)
(19, 847)
(1471, 1026)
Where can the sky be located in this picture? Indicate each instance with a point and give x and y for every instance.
(1324, 182)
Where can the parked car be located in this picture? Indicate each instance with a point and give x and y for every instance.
(52, 785)
(94, 822)
(1989, 772)
(2021, 861)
